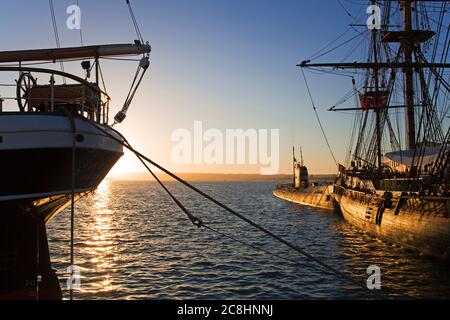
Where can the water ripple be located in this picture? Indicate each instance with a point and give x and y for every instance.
(132, 242)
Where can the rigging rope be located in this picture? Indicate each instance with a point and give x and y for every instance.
(72, 202)
(81, 30)
(198, 222)
(136, 26)
(319, 55)
(433, 70)
(318, 118)
(38, 258)
(345, 9)
(319, 52)
(144, 64)
(101, 76)
(55, 30)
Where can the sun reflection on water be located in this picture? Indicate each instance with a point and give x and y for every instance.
(100, 246)
(132, 245)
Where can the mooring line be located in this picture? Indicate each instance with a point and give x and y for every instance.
(201, 224)
(321, 197)
(225, 207)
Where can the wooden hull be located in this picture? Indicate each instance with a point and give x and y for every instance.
(421, 225)
(317, 197)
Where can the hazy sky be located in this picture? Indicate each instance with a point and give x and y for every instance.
(228, 63)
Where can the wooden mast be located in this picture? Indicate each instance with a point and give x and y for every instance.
(377, 98)
(74, 53)
(408, 47)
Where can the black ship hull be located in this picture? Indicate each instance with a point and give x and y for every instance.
(36, 184)
(41, 173)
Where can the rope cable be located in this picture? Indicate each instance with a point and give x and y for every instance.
(255, 247)
(317, 54)
(339, 45)
(55, 31)
(81, 30)
(200, 223)
(318, 118)
(133, 18)
(72, 200)
(225, 207)
(345, 9)
(38, 259)
(101, 76)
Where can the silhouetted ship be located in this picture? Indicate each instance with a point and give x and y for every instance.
(51, 147)
(396, 182)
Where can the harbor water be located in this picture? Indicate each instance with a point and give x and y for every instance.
(132, 242)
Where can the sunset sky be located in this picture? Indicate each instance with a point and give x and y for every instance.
(228, 63)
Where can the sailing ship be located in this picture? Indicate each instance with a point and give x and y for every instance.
(56, 145)
(395, 184)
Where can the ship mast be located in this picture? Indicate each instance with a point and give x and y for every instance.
(408, 47)
(377, 91)
(404, 57)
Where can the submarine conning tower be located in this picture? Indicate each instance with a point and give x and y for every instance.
(301, 176)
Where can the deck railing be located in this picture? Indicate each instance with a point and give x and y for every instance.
(79, 97)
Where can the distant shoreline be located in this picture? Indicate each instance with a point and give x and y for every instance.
(217, 177)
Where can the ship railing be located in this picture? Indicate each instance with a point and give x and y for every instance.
(360, 196)
(80, 96)
(438, 206)
(339, 190)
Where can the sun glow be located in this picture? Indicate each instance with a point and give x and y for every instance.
(126, 165)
